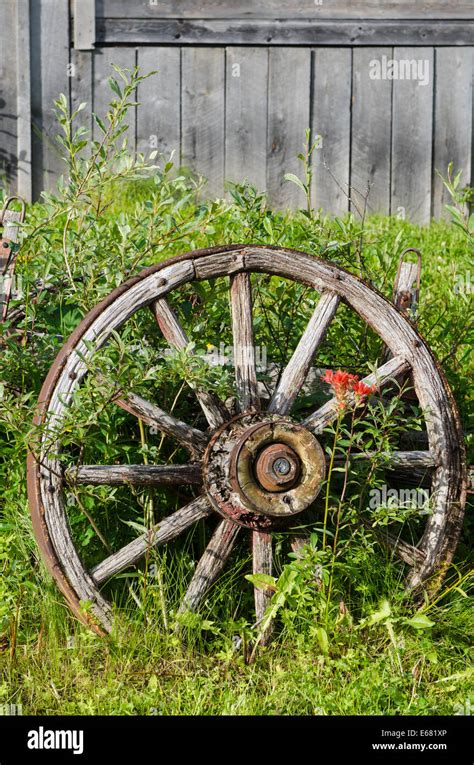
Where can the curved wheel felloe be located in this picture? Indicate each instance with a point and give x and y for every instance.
(259, 470)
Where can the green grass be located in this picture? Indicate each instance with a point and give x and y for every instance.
(65, 669)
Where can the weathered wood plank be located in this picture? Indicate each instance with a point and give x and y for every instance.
(407, 277)
(84, 24)
(192, 438)
(158, 114)
(49, 28)
(7, 260)
(288, 117)
(371, 129)
(210, 565)
(398, 459)
(412, 123)
(11, 229)
(136, 475)
(8, 96)
(23, 81)
(203, 115)
(169, 325)
(406, 552)
(453, 120)
(244, 348)
(331, 120)
(157, 31)
(81, 90)
(164, 531)
(246, 116)
(262, 563)
(221, 264)
(274, 9)
(298, 367)
(103, 59)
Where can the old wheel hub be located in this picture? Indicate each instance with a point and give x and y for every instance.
(260, 470)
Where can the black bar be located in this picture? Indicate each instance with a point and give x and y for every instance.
(160, 739)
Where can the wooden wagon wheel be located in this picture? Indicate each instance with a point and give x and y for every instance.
(259, 469)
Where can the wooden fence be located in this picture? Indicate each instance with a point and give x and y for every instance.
(238, 83)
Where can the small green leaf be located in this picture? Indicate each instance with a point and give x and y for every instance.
(420, 622)
(115, 87)
(263, 582)
(99, 122)
(137, 526)
(294, 179)
(378, 616)
(322, 638)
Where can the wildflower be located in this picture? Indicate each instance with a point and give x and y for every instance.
(343, 383)
(361, 389)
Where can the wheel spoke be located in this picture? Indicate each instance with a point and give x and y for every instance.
(170, 327)
(298, 367)
(262, 557)
(192, 438)
(214, 409)
(137, 475)
(397, 459)
(329, 411)
(210, 565)
(407, 552)
(162, 532)
(244, 349)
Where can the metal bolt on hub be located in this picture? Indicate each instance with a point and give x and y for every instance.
(281, 466)
(277, 467)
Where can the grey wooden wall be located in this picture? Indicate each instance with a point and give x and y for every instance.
(238, 83)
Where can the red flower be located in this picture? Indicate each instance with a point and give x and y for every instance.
(361, 389)
(328, 376)
(344, 383)
(341, 382)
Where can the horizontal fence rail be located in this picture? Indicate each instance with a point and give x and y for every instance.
(387, 88)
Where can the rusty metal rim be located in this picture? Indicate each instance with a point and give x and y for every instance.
(36, 508)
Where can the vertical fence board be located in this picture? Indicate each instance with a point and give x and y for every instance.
(49, 33)
(411, 131)
(371, 130)
(81, 90)
(331, 119)
(288, 117)
(8, 96)
(246, 115)
(103, 60)
(84, 24)
(158, 114)
(23, 83)
(202, 103)
(453, 140)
